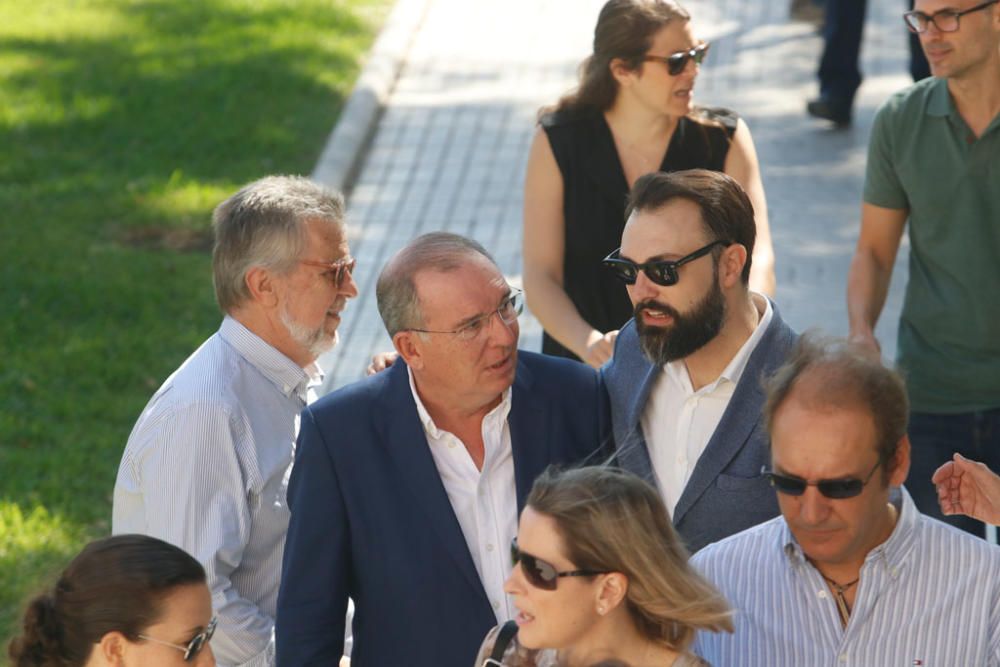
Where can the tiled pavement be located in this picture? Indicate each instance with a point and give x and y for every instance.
(450, 149)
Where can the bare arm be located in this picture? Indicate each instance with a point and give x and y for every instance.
(742, 165)
(544, 250)
(871, 269)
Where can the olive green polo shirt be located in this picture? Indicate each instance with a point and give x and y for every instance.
(923, 157)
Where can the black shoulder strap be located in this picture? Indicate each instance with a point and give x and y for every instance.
(504, 637)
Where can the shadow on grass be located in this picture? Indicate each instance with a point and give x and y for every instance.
(118, 140)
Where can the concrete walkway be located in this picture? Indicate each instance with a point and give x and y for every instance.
(449, 151)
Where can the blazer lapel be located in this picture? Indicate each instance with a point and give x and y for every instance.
(633, 452)
(530, 439)
(403, 435)
(742, 415)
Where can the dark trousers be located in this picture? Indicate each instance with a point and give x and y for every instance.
(839, 69)
(934, 439)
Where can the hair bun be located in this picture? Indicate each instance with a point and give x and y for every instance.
(39, 643)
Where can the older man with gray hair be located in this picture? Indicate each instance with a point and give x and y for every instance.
(407, 485)
(207, 464)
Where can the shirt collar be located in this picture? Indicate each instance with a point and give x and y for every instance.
(939, 102)
(289, 378)
(892, 553)
(734, 369)
(500, 412)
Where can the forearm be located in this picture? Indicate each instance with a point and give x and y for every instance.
(558, 315)
(867, 287)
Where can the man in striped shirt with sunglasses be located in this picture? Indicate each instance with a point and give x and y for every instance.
(851, 573)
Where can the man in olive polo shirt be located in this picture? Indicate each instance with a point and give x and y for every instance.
(934, 159)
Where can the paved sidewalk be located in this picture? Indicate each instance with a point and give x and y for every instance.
(450, 149)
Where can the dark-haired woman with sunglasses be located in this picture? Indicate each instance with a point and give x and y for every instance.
(126, 601)
(631, 114)
(600, 575)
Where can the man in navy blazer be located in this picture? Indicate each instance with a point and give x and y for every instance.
(685, 379)
(407, 485)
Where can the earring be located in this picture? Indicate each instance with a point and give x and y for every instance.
(602, 610)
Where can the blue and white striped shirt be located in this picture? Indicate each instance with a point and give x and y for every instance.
(206, 468)
(929, 595)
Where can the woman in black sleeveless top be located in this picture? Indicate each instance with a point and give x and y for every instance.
(632, 114)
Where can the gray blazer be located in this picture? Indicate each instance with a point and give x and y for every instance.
(725, 493)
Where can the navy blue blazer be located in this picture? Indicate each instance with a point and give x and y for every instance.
(725, 493)
(370, 518)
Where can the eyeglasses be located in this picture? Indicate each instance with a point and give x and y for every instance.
(838, 489)
(945, 20)
(676, 62)
(541, 574)
(338, 270)
(660, 271)
(508, 310)
(194, 646)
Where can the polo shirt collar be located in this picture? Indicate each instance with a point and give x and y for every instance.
(939, 101)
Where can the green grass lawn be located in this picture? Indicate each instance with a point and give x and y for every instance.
(122, 124)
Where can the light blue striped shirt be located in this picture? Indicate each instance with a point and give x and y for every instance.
(929, 595)
(206, 468)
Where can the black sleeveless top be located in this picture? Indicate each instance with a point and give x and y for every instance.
(594, 195)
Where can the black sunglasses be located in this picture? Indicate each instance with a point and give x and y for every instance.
(193, 647)
(541, 574)
(676, 62)
(838, 489)
(660, 271)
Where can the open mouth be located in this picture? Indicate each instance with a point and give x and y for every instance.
(523, 618)
(502, 364)
(656, 317)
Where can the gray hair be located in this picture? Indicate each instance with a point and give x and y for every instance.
(398, 303)
(830, 372)
(263, 225)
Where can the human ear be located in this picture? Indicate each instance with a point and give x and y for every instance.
(111, 649)
(611, 592)
(262, 286)
(621, 72)
(409, 349)
(900, 464)
(731, 264)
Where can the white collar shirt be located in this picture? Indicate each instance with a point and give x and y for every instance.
(484, 501)
(678, 422)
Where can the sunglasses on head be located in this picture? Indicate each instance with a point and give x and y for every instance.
(338, 270)
(541, 574)
(660, 271)
(676, 62)
(837, 489)
(193, 647)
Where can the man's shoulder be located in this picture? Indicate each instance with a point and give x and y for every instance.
(544, 366)
(358, 397)
(742, 550)
(939, 538)
(902, 105)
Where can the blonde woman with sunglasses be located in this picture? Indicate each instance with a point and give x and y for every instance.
(600, 577)
(633, 113)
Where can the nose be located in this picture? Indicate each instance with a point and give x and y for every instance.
(813, 506)
(643, 288)
(206, 658)
(348, 287)
(515, 582)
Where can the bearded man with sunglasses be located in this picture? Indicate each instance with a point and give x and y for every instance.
(851, 572)
(934, 162)
(407, 485)
(684, 381)
(206, 466)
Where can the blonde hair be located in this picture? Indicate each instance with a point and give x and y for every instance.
(610, 520)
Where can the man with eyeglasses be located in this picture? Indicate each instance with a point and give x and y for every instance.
(684, 381)
(206, 466)
(934, 161)
(851, 573)
(407, 485)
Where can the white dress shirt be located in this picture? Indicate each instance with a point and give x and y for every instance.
(485, 502)
(206, 468)
(677, 421)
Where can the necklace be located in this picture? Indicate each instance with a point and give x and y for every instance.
(838, 591)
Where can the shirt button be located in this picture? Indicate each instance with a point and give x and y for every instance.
(843, 657)
(451, 444)
(496, 605)
(821, 595)
(489, 547)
